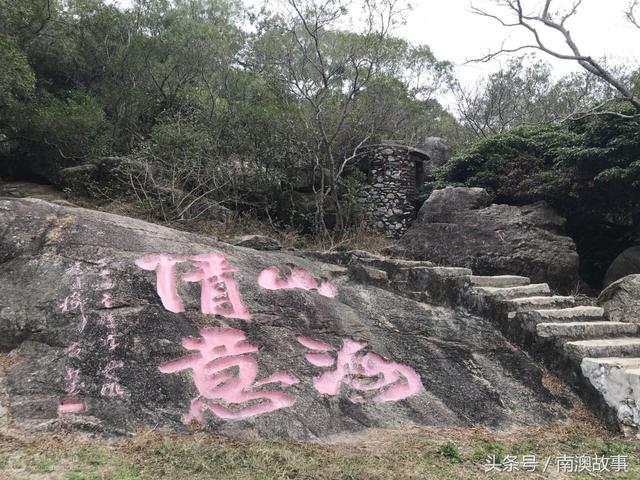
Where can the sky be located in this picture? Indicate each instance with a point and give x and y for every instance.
(456, 34)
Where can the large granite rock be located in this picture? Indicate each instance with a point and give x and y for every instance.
(90, 339)
(627, 263)
(460, 227)
(438, 150)
(621, 300)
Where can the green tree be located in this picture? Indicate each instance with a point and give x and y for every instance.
(17, 84)
(524, 92)
(588, 169)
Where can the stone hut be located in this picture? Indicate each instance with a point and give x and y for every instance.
(395, 175)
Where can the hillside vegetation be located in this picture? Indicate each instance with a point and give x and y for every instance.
(174, 106)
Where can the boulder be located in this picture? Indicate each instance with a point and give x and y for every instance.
(627, 263)
(112, 324)
(438, 150)
(257, 242)
(459, 227)
(621, 300)
(100, 177)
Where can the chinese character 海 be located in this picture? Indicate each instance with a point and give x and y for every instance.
(363, 372)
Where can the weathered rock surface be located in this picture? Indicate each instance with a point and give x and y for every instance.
(80, 321)
(257, 242)
(459, 227)
(438, 149)
(627, 263)
(621, 300)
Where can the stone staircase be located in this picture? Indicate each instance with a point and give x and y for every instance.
(573, 338)
(600, 358)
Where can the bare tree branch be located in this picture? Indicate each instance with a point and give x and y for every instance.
(632, 15)
(548, 21)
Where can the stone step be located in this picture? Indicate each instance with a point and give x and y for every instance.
(538, 289)
(609, 347)
(603, 363)
(530, 318)
(556, 315)
(587, 330)
(538, 303)
(500, 281)
(449, 271)
(618, 380)
(423, 278)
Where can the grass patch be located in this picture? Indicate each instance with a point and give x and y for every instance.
(415, 453)
(449, 450)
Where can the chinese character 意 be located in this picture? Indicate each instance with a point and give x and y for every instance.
(221, 351)
(366, 372)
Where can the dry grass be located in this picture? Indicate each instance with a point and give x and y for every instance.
(358, 237)
(411, 453)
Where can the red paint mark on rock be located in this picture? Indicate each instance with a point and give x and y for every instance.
(270, 279)
(72, 405)
(223, 370)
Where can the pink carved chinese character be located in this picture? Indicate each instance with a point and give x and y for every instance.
(108, 320)
(364, 372)
(219, 293)
(221, 349)
(74, 270)
(218, 287)
(73, 350)
(270, 279)
(106, 300)
(164, 266)
(111, 341)
(111, 387)
(72, 381)
(71, 302)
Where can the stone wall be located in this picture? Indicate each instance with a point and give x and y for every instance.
(389, 196)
